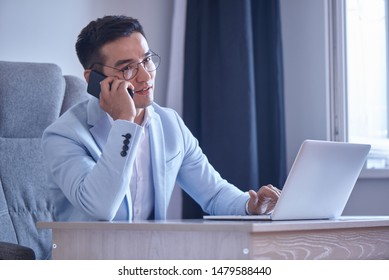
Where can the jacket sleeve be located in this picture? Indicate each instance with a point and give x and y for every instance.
(204, 184)
(94, 181)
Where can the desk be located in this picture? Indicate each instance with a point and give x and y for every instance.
(346, 238)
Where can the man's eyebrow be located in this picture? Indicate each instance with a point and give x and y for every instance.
(129, 61)
(123, 61)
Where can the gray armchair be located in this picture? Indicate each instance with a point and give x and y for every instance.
(32, 95)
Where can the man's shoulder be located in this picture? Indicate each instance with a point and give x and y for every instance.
(78, 111)
(164, 112)
(73, 117)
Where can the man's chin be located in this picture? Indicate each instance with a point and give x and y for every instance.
(145, 104)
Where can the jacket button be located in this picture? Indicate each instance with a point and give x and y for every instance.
(126, 141)
(123, 153)
(127, 136)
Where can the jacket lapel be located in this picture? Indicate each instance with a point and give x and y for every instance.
(158, 160)
(100, 127)
(99, 122)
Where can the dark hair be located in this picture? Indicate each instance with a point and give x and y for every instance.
(101, 31)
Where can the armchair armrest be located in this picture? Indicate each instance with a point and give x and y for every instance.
(10, 251)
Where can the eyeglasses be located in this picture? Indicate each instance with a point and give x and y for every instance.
(150, 64)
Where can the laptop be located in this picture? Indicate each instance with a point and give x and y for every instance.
(319, 183)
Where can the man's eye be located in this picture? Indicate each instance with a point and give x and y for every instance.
(128, 67)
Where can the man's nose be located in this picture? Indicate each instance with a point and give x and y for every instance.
(143, 74)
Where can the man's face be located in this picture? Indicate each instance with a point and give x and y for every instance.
(131, 50)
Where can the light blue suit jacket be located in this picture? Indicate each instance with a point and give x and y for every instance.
(90, 179)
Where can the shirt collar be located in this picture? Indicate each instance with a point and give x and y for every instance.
(146, 118)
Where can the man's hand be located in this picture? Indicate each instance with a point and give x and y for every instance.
(115, 100)
(263, 201)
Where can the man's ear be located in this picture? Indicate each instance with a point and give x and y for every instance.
(87, 74)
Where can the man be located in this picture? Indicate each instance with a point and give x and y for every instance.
(118, 157)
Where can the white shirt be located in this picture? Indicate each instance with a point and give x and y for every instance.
(141, 186)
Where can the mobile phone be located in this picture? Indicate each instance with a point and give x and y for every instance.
(95, 78)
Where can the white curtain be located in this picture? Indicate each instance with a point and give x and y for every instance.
(175, 85)
(176, 69)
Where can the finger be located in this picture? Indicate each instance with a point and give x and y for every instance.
(105, 85)
(130, 86)
(267, 191)
(125, 85)
(253, 197)
(115, 85)
(275, 189)
(272, 187)
(252, 194)
(269, 207)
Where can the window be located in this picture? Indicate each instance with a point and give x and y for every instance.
(359, 78)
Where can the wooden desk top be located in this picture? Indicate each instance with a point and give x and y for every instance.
(236, 225)
(345, 238)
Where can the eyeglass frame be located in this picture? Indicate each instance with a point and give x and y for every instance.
(135, 68)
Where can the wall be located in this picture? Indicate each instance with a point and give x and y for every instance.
(46, 30)
(305, 49)
(305, 76)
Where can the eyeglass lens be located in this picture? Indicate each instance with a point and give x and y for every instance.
(150, 64)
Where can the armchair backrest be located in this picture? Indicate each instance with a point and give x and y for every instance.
(32, 96)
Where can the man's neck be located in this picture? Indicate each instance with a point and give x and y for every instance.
(140, 114)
